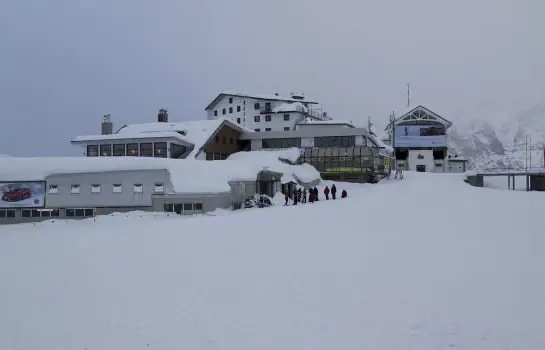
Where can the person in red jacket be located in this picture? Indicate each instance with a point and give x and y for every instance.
(326, 192)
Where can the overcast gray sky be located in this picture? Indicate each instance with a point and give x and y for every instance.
(65, 63)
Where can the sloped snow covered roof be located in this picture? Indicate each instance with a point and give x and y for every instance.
(385, 149)
(271, 97)
(311, 121)
(187, 175)
(196, 132)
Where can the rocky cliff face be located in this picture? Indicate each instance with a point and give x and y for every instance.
(498, 139)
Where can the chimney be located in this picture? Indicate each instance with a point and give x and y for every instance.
(162, 116)
(107, 127)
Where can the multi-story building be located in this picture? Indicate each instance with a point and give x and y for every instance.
(420, 140)
(264, 112)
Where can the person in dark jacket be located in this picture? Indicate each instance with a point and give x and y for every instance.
(333, 191)
(286, 197)
(295, 199)
(326, 193)
(344, 194)
(304, 196)
(316, 198)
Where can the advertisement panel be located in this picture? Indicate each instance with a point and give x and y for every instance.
(420, 136)
(21, 194)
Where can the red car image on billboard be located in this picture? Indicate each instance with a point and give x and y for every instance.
(22, 194)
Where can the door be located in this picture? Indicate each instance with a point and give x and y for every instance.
(421, 168)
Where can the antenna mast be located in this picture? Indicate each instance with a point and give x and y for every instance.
(408, 95)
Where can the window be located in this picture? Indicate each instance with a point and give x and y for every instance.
(70, 212)
(282, 143)
(257, 130)
(88, 212)
(231, 141)
(198, 206)
(25, 213)
(267, 129)
(7, 213)
(92, 150)
(80, 213)
(256, 119)
(335, 141)
(177, 151)
(146, 149)
(286, 128)
(238, 108)
(188, 206)
(286, 117)
(35, 213)
(223, 111)
(238, 120)
(106, 150)
(268, 107)
(224, 140)
(160, 149)
(138, 188)
(159, 188)
(95, 188)
(116, 188)
(74, 189)
(256, 106)
(46, 213)
(119, 150)
(132, 150)
(216, 113)
(268, 118)
(53, 189)
(230, 109)
(230, 100)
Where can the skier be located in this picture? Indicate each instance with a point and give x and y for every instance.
(333, 191)
(344, 194)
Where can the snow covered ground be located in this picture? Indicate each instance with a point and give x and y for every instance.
(424, 263)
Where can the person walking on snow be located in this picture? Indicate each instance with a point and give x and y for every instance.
(315, 194)
(344, 194)
(304, 196)
(326, 192)
(333, 191)
(286, 197)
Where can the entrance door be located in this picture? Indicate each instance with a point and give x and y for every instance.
(421, 168)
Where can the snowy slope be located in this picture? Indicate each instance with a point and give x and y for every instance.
(341, 274)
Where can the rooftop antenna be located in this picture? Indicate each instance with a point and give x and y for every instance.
(408, 95)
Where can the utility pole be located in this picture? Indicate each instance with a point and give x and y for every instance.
(526, 153)
(392, 123)
(408, 95)
(530, 139)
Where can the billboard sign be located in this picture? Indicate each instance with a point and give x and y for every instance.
(21, 194)
(420, 136)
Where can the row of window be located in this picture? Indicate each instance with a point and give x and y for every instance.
(216, 156)
(268, 118)
(47, 213)
(281, 143)
(143, 149)
(321, 142)
(116, 188)
(181, 208)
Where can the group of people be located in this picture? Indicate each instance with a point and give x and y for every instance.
(300, 195)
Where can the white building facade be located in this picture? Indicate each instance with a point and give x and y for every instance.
(262, 113)
(420, 140)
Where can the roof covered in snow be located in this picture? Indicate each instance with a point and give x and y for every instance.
(291, 107)
(196, 133)
(187, 175)
(270, 97)
(312, 121)
(419, 113)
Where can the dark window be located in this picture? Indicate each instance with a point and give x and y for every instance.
(223, 156)
(267, 129)
(268, 107)
(335, 141)
(10, 213)
(224, 140)
(54, 212)
(238, 120)
(88, 212)
(230, 100)
(282, 143)
(160, 149)
(146, 149)
(92, 150)
(25, 213)
(106, 150)
(209, 156)
(168, 207)
(223, 111)
(286, 117)
(119, 150)
(198, 206)
(257, 130)
(257, 119)
(70, 212)
(238, 108)
(230, 109)
(132, 150)
(177, 151)
(36, 213)
(188, 206)
(286, 128)
(268, 118)
(2, 213)
(216, 113)
(80, 213)
(178, 208)
(231, 141)
(217, 139)
(256, 106)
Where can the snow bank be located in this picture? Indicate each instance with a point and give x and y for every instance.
(187, 175)
(332, 275)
